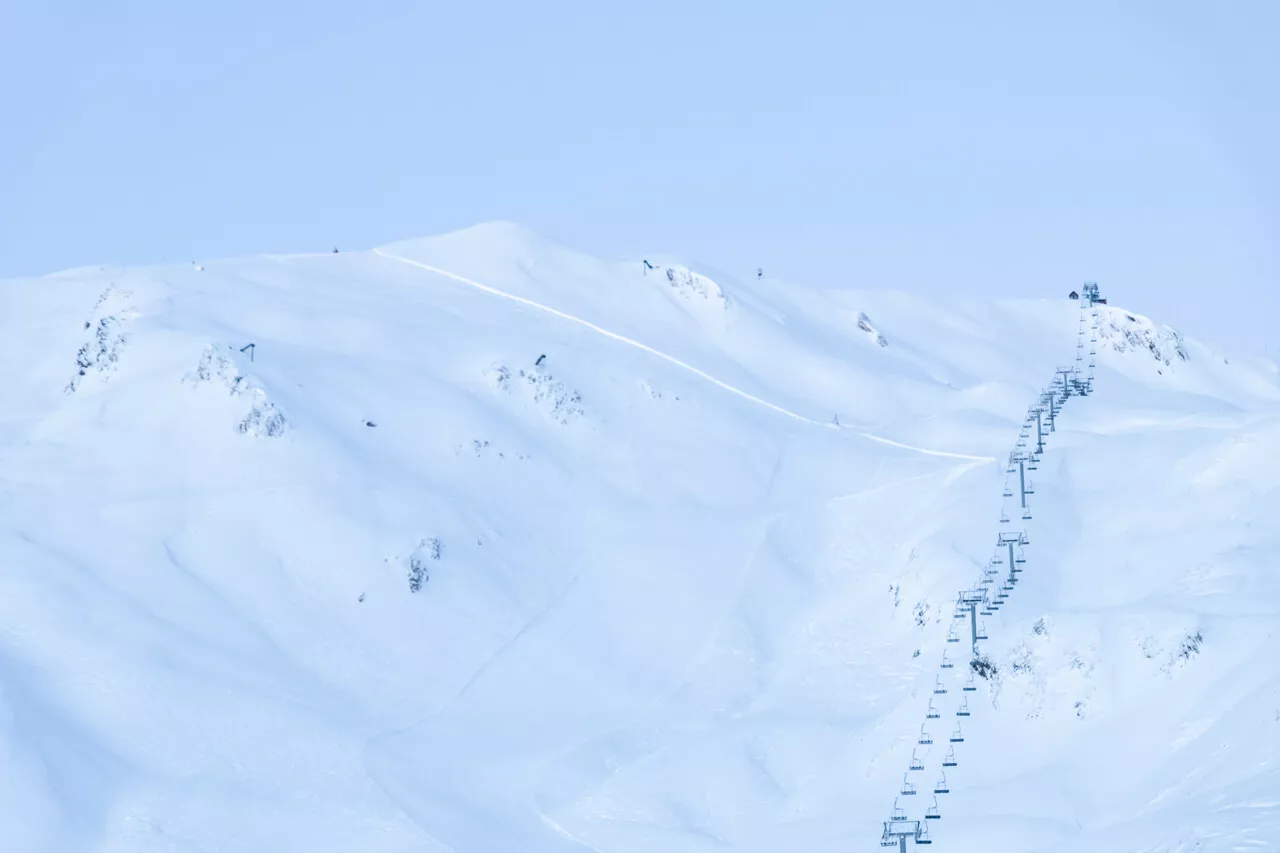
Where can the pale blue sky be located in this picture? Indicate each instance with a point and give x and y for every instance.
(1011, 146)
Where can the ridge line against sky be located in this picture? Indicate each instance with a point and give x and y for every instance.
(1000, 149)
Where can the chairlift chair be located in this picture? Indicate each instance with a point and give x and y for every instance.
(950, 759)
(932, 713)
(942, 787)
(946, 661)
(982, 635)
(963, 710)
(925, 738)
(932, 812)
(957, 736)
(898, 813)
(908, 789)
(917, 763)
(971, 685)
(938, 687)
(923, 836)
(952, 636)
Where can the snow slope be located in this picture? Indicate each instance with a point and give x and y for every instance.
(391, 580)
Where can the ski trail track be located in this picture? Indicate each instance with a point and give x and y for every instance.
(631, 342)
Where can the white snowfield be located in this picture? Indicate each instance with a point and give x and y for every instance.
(485, 545)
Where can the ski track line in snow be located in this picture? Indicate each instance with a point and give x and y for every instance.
(493, 291)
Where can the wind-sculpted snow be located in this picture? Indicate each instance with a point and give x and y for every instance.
(553, 553)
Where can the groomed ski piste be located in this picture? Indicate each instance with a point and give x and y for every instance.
(476, 543)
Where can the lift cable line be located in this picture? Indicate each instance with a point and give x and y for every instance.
(1000, 576)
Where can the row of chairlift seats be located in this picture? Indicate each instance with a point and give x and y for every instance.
(898, 827)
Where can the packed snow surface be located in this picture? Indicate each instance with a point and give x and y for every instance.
(478, 544)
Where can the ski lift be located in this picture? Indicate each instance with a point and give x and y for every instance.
(963, 710)
(982, 635)
(971, 685)
(932, 813)
(922, 837)
(942, 787)
(1026, 514)
(908, 789)
(957, 736)
(952, 636)
(946, 661)
(950, 759)
(1004, 517)
(898, 813)
(938, 688)
(917, 763)
(932, 713)
(925, 737)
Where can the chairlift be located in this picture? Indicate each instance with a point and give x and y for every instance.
(908, 789)
(952, 636)
(932, 713)
(1026, 514)
(932, 812)
(942, 787)
(963, 710)
(938, 687)
(922, 837)
(925, 738)
(957, 736)
(982, 635)
(950, 759)
(946, 661)
(898, 813)
(917, 763)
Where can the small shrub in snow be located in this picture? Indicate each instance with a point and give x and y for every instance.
(264, 420)
(984, 667)
(1190, 646)
(1022, 662)
(864, 323)
(428, 550)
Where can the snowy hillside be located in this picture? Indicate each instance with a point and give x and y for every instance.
(477, 544)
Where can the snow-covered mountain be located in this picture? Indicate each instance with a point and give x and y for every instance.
(477, 544)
